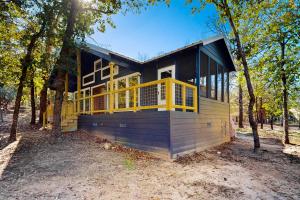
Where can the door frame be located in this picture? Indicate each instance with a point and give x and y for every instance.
(159, 71)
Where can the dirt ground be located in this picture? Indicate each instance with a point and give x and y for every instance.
(79, 167)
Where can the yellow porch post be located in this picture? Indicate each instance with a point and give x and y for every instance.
(184, 98)
(195, 99)
(111, 87)
(78, 79)
(169, 95)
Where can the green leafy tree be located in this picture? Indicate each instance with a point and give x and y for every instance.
(80, 17)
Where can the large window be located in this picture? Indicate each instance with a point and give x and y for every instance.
(124, 99)
(85, 103)
(220, 83)
(203, 74)
(213, 79)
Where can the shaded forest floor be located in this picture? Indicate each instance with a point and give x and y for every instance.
(79, 167)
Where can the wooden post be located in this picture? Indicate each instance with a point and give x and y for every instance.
(184, 98)
(78, 79)
(195, 99)
(44, 119)
(134, 99)
(168, 94)
(111, 88)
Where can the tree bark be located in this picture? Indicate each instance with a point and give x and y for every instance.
(241, 52)
(32, 100)
(272, 121)
(43, 101)
(241, 109)
(26, 62)
(261, 117)
(62, 66)
(285, 97)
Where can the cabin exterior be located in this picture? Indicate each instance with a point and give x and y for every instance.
(172, 104)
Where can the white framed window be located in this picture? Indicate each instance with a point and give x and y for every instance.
(85, 104)
(125, 99)
(105, 72)
(88, 79)
(98, 65)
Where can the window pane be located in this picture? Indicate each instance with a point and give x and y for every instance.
(226, 85)
(213, 72)
(88, 79)
(98, 65)
(105, 72)
(134, 80)
(203, 74)
(122, 95)
(220, 88)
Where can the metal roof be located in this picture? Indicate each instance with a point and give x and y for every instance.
(200, 42)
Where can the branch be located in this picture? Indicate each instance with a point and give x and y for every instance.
(107, 12)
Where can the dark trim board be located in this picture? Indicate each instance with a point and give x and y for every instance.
(165, 133)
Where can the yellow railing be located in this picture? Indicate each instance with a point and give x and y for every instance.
(164, 94)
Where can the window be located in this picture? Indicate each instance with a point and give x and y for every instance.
(213, 79)
(105, 72)
(99, 101)
(226, 85)
(124, 99)
(88, 79)
(84, 103)
(97, 65)
(220, 84)
(203, 75)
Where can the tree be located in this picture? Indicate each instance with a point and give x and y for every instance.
(280, 40)
(80, 18)
(31, 37)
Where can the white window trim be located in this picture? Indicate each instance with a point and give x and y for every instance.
(127, 92)
(95, 63)
(95, 87)
(116, 72)
(88, 83)
(83, 90)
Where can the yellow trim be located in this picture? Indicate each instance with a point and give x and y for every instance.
(111, 87)
(184, 98)
(169, 105)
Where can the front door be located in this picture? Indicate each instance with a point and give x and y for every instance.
(166, 72)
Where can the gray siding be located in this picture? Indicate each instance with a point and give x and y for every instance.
(192, 131)
(149, 131)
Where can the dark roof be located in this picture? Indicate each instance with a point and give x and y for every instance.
(92, 47)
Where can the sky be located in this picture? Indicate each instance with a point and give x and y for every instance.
(155, 30)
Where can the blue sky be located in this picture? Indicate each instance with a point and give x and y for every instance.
(155, 30)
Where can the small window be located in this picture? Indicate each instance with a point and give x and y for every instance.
(88, 79)
(105, 72)
(97, 65)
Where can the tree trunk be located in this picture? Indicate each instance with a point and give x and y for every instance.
(32, 100)
(43, 101)
(256, 110)
(26, 62)
(261, 117)
(241, 111)
(241, 52)
(62, 66)
(272, 121)
(285, 97)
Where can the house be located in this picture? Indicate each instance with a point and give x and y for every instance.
(171, 104)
